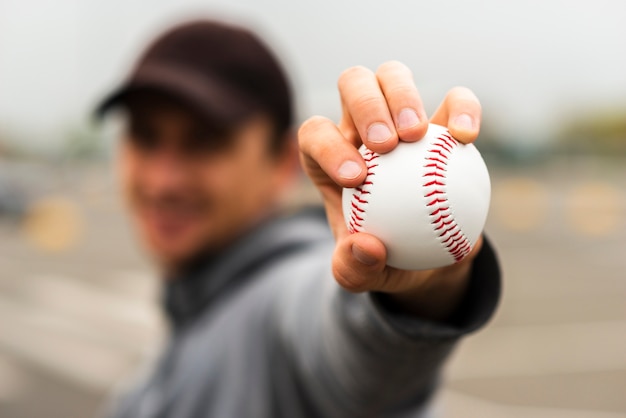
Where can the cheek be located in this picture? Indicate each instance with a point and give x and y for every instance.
(227, 184)
(240, 188)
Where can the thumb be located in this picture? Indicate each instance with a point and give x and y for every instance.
(359, 262)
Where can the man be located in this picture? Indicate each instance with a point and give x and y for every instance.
(272, 315)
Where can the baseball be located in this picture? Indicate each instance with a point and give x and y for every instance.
(427, 201)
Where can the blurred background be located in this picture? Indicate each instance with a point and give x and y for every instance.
(78, 308)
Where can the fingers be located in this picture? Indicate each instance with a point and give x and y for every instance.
(403, 99)
(365, 104)
(461, 112)
(382, 107)
(359, 265)
(322, 146)
(359, 262)
(331, 162)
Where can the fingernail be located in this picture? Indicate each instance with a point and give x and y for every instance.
(349, 170)
(407, 118)
(378, 133)
(464, 121)
(362, 257)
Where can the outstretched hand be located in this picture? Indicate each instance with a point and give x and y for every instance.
(379, 110)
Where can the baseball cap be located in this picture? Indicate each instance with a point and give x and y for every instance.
(222, 71)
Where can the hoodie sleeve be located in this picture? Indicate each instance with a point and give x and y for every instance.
(353, 355)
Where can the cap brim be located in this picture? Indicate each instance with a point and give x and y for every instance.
(210, 98)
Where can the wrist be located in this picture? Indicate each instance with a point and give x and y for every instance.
(438, 295)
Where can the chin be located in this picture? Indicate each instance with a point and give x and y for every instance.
(168, 249)
(173, 252)
(174, 247)
(172, 257)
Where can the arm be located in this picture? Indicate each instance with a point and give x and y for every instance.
(376, 341)
(358, 354)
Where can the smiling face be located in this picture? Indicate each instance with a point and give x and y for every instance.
(191, 187)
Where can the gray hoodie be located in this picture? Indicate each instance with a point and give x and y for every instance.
(263, 330)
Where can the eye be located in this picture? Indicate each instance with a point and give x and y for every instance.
(143, 135)
(201, 140)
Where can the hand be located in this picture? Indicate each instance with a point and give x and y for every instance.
(380, 109)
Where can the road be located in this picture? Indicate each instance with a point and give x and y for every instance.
(78, 300)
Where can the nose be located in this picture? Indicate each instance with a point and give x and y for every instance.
(166, 170)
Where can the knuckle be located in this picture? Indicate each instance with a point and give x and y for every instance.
(401, 90)
(366, 102)
(348, 282)
(347, 277)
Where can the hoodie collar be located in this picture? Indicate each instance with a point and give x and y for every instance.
(212, 277)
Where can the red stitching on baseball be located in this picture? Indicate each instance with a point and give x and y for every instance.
(359, 199)
(444, 162)
(434, 192)
(446, 146)
(449, 232)
(435, 201)
(438, 210)
(433, 173)
(435, 165)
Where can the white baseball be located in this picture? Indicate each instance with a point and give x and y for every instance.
(427, 201)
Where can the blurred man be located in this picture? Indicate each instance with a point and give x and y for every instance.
(272, 315)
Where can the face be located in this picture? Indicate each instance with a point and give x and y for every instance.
(191, 188)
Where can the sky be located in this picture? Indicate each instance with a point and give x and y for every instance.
(533, 64)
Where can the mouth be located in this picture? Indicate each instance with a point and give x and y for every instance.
(169, 219)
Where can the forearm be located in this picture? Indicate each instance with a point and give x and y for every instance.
(357, 355)
(350, 361)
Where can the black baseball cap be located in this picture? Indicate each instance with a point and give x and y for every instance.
(222, 71)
